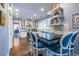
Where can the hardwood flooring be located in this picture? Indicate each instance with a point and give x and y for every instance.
(20, 47)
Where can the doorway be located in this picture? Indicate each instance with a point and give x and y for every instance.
(16, 28)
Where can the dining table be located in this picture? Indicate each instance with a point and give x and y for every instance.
(48, 37)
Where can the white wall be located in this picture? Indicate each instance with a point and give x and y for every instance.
(69, 9)
(4, 37)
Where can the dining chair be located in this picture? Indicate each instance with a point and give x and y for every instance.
(30, 41)
(73, 38)
(37, 47)
(64, 45)
(28, 34)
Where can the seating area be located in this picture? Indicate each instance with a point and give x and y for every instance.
(64, 46)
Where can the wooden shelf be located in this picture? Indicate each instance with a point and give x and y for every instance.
(57, 24)
(57, 19)
(56, 16)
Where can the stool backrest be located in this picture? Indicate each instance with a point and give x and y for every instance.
(65, 40)
(28, 34)
(74, 37)
(33, 37)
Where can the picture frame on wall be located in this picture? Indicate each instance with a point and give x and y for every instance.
(2, 18)
(75, 21)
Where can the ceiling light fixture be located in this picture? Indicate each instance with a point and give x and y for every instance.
(42, 9)
(10, 8)
(16, 10)
(34, 14)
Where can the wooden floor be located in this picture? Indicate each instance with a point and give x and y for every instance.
(20, 47)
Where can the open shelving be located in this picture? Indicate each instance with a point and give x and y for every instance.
(57, 19)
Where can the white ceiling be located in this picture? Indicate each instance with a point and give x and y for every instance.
(27, 10)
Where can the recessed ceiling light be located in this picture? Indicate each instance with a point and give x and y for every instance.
(42, 9)
(16, 10)
(10, 8)
(34, 14)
